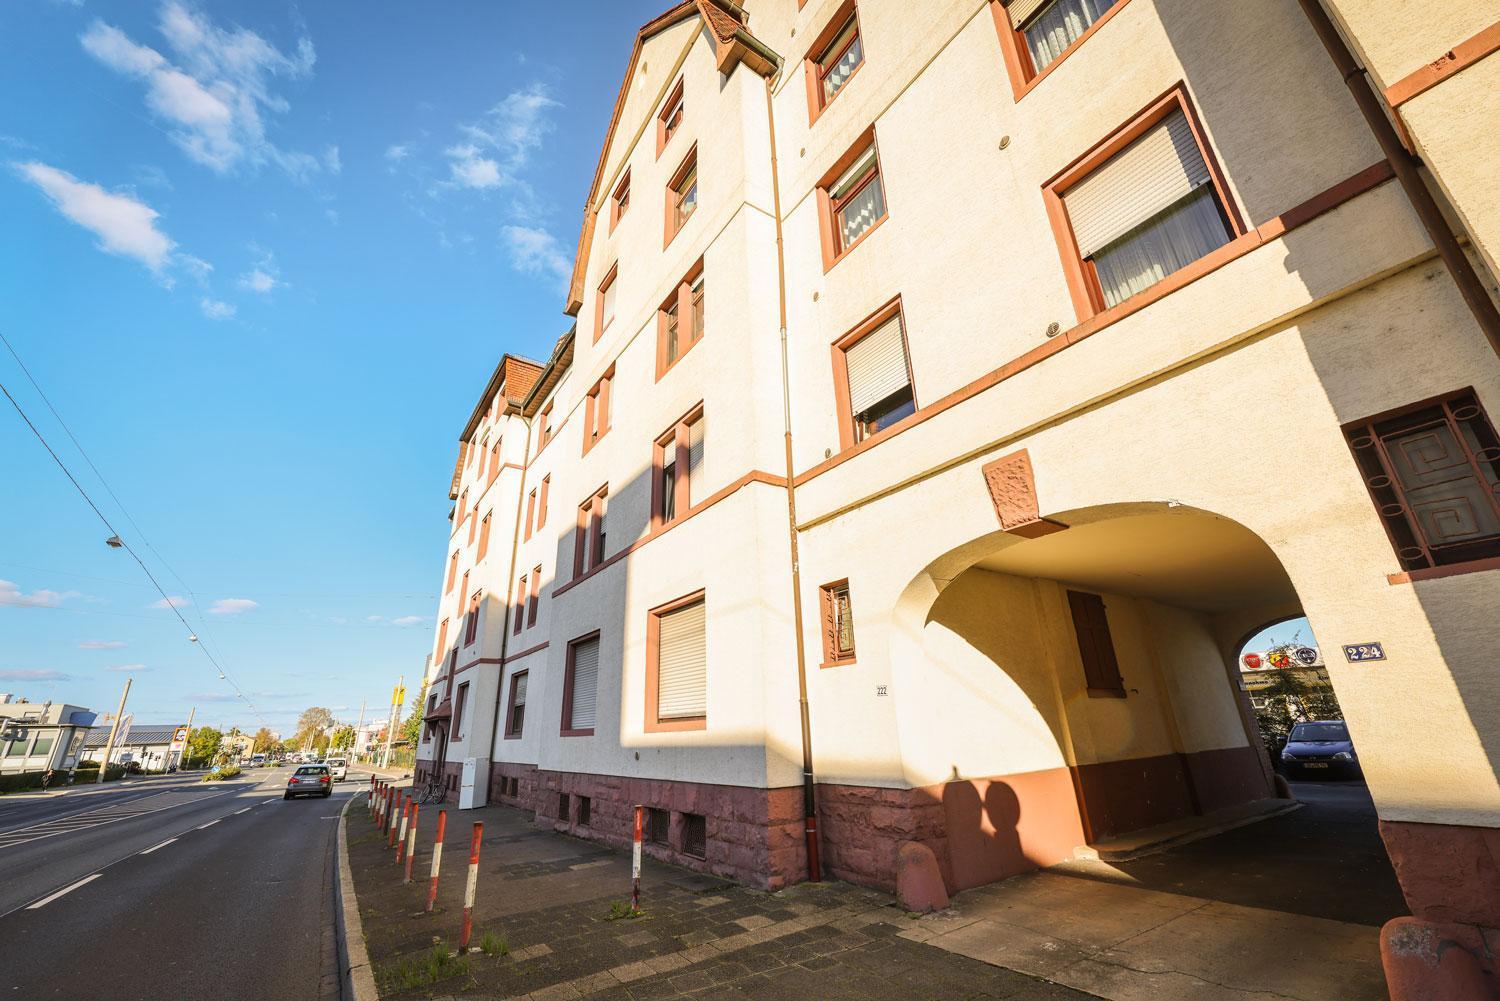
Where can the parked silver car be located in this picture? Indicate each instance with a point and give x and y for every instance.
(309, 780)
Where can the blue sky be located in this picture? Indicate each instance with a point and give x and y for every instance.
(262, 258)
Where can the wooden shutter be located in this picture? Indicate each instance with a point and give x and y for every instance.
(1144, 179)
(695, 462)
(1022, 11)
(877, 365)
(682, 664)
(581, 712)
(1101, 671)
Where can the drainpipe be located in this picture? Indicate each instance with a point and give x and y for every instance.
(1373, 108)
(809, 791)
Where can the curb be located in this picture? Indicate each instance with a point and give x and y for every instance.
(357, 978)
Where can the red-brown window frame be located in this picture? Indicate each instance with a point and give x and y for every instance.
(473, 522)
(679, 178)
(541, 504)
(619, 201)
(459, 698)
(828, 610)
(567, 728)
(484, 536)
(596, 411)
(544, 432)
(495, 461)
(452, 572)
(848, 434)
(1395, 505)
(1083, 280)
(600, 323)
(664, 131)
(588, 537)
(534, 600)
(653, 722)
(677, 438)
(442, 641)
(510, 708)
(471, 618)
(687, 328)
(828, 225)
(1017, 54)
(520, 620)
(530, 510)
(813, 65)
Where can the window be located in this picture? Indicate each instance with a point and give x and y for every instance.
(442, 639)
(1144, 205)
(658, 826)
(431, 708)
(1043, 31)
(515, 713)
(471, 620)
(604, 312)
(585, 810)
(458, 710)
(872, 376)
(838, 624)
(694, 835)
(484, 536)
(469, 451)
(670, 119)
(678, 469)
(834, 57)
(596, 411)
(1096, 648)
(483, 448)
(534, 600)
(473, 521)
(541, 504)
(520, 606)
(677, 666)
(463, 509)
(588, 538)
(621, 200)
(452, 571)
(494, 461)
(580, 687)
(682, 194)
(530, 512)
(679, 321)
(562, 807)
(1433, 471)
(851, 200)
(544, 421)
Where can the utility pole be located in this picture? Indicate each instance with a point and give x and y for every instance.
(358, 728)
(114, 730)
(183, 756)
(397, 697)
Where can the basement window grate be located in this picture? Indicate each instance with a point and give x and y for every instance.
(694, 835)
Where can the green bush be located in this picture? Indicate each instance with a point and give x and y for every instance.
(228, 772)
(17, 781)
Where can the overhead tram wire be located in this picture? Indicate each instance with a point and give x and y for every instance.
(166, 599)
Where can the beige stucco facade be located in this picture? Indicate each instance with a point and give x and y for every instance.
(1187, 454)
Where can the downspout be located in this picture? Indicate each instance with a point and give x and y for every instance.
(1373, 108)
(809, 792)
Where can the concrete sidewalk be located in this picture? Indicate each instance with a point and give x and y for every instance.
(548, 909)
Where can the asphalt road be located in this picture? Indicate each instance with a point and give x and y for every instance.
(171, 888)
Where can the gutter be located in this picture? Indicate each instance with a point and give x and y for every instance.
(1377, 117)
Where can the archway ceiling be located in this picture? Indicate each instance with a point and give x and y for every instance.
(1180, 557)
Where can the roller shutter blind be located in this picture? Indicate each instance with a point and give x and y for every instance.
(877, 365)
(1022, 10)
(682, 664)
(849, 178)
(695, 462)
(1144, 179)
(581, 713)
(520, 699)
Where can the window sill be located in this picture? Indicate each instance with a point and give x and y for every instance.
(832, 262)
(575, 733)
(588, 446)
(676, 725)
(512, 736)
(662, 373)
(816, 106)
(837, 663)
(1451, 570)
(672, 233)
(1106, 693)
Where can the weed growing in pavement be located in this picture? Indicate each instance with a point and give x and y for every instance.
(619, 909)
(494, 945)
(436, 964)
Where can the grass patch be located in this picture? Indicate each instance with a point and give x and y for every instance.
(494, 945)
(618, 909)
(227, 772)
(428, 968)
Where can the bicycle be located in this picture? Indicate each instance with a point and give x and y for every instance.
(432, 791)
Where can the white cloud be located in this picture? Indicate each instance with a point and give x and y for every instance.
(331, 160)
(256, 280)
(31, 675)
(396, 152)
(409, 620)
(124, 225)
(214, 98)
(515, 126)
(101, 644)
(232, 606)
(216, 309)
(175, 601)
(11, 594)
(131, 668)
(536, 252)
(471, 170)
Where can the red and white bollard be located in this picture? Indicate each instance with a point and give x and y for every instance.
(635, 861)
(411, 843)
(468, 926)
(390, 841)
(401, 833)
(437, 858)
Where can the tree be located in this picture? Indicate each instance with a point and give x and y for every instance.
(203, 744)
(1289, 699)
(411, 727)
(343, 738)
(313, 721)
(263, 741)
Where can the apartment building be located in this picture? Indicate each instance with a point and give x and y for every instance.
(953, 389)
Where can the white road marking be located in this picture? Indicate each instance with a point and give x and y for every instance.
(67, 889)
(153, 848)
(245, 810)
(209, 824)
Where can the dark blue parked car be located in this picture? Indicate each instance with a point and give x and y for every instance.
(1318, 749)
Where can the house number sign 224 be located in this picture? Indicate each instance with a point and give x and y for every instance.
(1354, 653)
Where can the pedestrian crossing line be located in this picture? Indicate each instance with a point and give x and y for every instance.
(153, 848)
(64, 891)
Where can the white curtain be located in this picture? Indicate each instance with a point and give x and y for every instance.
(1059, 26)
(1172, 240)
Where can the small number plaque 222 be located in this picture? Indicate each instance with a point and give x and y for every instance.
(1354, 653)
